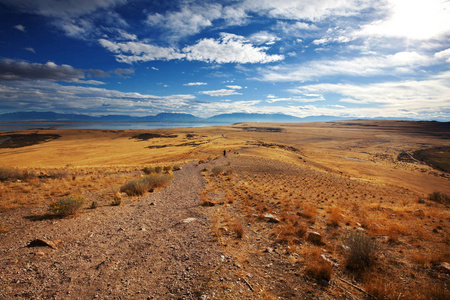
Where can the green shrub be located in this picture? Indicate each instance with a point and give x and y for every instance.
(362, 250)
(67, 206)
(217, 170)
(439, 198)
(138, 187)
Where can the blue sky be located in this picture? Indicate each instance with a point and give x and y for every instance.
(349, 58)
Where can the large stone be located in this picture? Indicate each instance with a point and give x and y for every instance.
(314, 238)
(43, 243)
(271, 218)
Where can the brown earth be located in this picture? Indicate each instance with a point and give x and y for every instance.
(250, 239)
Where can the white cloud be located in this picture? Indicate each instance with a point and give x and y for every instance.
(426, 98)
(234, 87)
(188, 21)
(263, 37)
(305, 99)
(220, 93)
(130, 52)
(155, 69)
(195, 83)
(305, 10)
(57, 8)
(229, 48)
(419, 19)
(30, 49)
(444, 54)
(399, 63)
(20, 27)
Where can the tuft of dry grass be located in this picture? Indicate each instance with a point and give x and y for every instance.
(11, 174)
(439, 198)
(67, 206)
(316, 266)
(138, 187)
(362, 250)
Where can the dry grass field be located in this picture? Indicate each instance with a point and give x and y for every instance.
(336, 210)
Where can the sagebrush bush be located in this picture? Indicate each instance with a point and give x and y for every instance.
(216, 170)
(148, 170)
(362, 250)
(138, 187)
(67, 206)
(9, 174)
(439, 198)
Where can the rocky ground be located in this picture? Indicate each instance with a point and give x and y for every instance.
(156, 248)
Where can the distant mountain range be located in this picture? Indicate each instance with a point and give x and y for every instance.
(162, 117)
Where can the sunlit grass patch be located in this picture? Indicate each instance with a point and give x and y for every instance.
(138, 187)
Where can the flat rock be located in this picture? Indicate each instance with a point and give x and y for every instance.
(43, 243)
(271, 218)
(189, 220)
(314, 237)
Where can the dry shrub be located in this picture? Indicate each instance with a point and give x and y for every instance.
(316, 266)
(335, 216)
(290, 233)
(381, 288)
(362, 250)
(138, 187)
(148, 170)
(439, 198)
(216, 170)
(309, 211)
(66, 206)
(237, 228)
(12, 174)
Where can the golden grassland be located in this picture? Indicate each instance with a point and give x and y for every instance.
(333, 178)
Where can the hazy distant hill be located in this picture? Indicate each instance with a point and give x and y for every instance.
(162, 117)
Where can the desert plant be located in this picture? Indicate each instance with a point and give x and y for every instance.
(138, 187)
(94, 205)
(216, 170)
(148, 170)
(158, 170)
(362, 250)
(167, 169)
(176, 168)
(439, 198)
(10, 174)
(67, 206)
(116, 201)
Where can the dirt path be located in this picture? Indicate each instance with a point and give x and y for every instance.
(157, 248)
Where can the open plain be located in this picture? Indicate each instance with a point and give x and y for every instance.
(336, 210)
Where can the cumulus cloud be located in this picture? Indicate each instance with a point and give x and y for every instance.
(130, 52)
(234, 87)
(19, 70)
(399, 63)
(220, 93)
(444, 54)
(188, 21)
(40, 95)
(229, 48)
(418, 20)
(422, 97)
(263, 37)
(195, 83)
